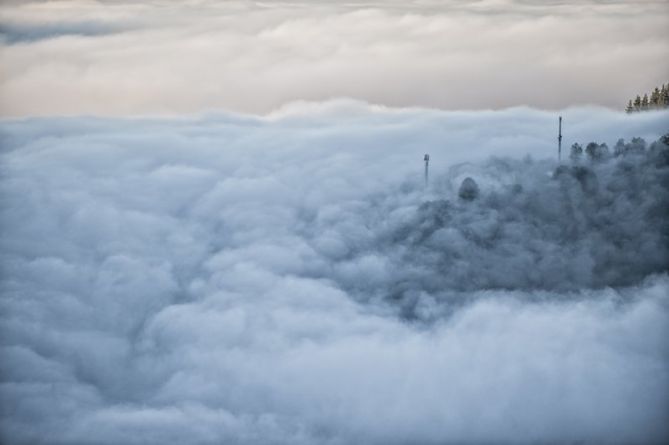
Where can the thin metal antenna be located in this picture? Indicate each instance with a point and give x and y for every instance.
(560, 139)
(427, 162)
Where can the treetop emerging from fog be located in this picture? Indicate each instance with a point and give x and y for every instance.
(658, 99)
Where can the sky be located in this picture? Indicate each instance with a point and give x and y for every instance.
(215, 225)
(75, 57)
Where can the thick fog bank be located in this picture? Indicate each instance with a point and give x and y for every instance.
(289, 279)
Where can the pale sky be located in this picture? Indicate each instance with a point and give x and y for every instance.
(163, 57)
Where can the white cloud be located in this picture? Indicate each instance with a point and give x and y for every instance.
(286, 279)
(126, 58)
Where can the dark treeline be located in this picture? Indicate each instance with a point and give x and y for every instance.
(598, 152)
(656, 100)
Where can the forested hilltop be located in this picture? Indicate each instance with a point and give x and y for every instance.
(598, 152)
(657, 100)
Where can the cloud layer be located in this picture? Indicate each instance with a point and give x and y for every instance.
(288, 279)
(76, 57)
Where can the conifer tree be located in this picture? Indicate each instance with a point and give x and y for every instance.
(655, 98)
(630, 107)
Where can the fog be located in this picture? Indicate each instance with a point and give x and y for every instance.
(78, 57)
(227, 278)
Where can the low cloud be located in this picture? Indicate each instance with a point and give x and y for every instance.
(288, 279)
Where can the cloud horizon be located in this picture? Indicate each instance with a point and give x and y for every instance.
(118, 58)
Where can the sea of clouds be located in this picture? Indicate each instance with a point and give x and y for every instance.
(228, 278)
(120, 57)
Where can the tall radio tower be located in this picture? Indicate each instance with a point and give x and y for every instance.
(560, 139)
(427, 162)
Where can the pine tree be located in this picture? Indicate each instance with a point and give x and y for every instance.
(630, 107)
(655, 98)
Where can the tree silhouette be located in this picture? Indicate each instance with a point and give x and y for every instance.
(619, 148)
(597, 152)
(630, 107)
(576, 152)
(656, 100)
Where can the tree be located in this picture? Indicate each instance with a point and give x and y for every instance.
(638, 145)
(603, 151)
(596, 152)
(469, 189)
(665, 139)
(658, 98)
(630, 107)
(576, 152)
(619, 149)
(655, 98)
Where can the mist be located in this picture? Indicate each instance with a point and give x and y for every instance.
(229, 278)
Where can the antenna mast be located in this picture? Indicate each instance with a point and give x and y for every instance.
(427, 162)
(560, 139)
